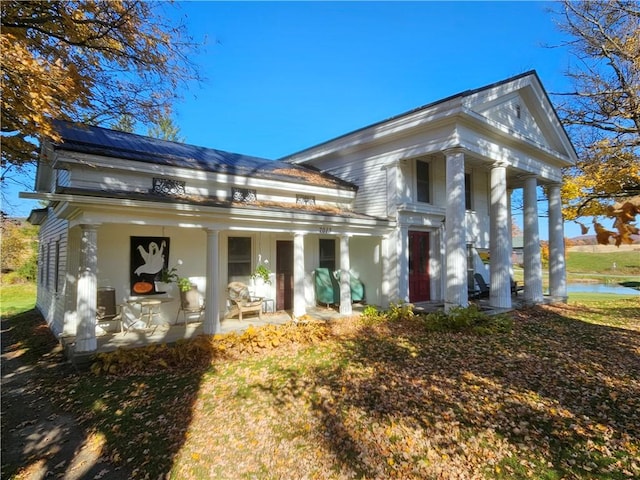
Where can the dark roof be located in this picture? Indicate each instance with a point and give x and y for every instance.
(113, 143)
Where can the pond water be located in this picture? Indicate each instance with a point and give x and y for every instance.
(601, 288)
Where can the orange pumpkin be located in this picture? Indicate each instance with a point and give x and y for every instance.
(142, 287)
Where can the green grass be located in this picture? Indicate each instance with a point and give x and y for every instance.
(17, 298)
(626, 263)
(555, 397)
(589, 298)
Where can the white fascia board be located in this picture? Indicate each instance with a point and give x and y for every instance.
(98, 210)
(187, 174)
(379, 132)
(533, 93)
(491, 126)
(44, 171)
(487, 148)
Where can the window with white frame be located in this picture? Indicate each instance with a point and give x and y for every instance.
(239, 259)
(56, 268)
(468, 200)
(423, 193)
(327, 253)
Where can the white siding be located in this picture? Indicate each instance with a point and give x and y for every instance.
(218, 187)
(49, 301)
(506, 112)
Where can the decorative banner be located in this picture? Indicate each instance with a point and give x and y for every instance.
(149, 255)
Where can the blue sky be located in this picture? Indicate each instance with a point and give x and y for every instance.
(283, 76)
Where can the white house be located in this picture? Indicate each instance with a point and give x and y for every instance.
(404, 204)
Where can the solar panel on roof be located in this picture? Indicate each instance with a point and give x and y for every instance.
(113, 143)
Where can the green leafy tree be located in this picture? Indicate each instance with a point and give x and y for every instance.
(125, 123)
(19, 248)
(166, 129)
(602, 113)
(87, 60)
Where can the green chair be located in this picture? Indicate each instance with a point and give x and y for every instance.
(326, 287)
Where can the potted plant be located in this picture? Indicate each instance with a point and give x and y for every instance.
(167, 277)
(184, 284)
(262, 273)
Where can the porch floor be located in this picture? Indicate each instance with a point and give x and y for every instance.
(172, 333)
(175, 332)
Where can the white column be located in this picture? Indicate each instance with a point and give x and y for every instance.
(211, 324)
(557, 267)
(500, 241)
(299, 302)
(87, 290)
(456, 254)
(403, 264)
(385, 288)
(532, 260)
(510, 218)
(345, 276)
(71, 283)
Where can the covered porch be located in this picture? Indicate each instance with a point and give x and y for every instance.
(174, 332)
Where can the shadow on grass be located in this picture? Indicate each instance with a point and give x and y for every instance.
(57, 421)
(555, 398)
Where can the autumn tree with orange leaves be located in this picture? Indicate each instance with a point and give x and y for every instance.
(602, 115)
(93, 61)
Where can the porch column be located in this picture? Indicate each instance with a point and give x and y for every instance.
(299, 302)
(386, 271)
(557, 267)
(87, 290)
(69, 327)
(532, 261)
(403, 264)
(456, 253)
(510, 220)
(211, 324)
(345, 276)
(500, 251)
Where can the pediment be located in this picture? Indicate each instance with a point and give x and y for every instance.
(514, 113)
(523, 107)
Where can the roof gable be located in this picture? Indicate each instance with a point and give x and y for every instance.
(493, 102)
(521, 105)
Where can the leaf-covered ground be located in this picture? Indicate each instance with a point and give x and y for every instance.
(556, 397)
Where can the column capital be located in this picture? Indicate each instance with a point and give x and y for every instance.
(499, 164)
(454, 150)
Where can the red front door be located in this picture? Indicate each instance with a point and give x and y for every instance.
(419, 286)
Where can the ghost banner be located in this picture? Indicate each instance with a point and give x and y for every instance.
(149, 256)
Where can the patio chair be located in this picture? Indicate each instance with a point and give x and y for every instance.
(106, 311)
(242, 302)
(191, 303)
(327, 288)
(484, 288)
(515, 288)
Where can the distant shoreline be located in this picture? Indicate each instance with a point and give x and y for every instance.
(605, 248)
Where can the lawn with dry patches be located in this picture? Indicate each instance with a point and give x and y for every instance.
(558, 396)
